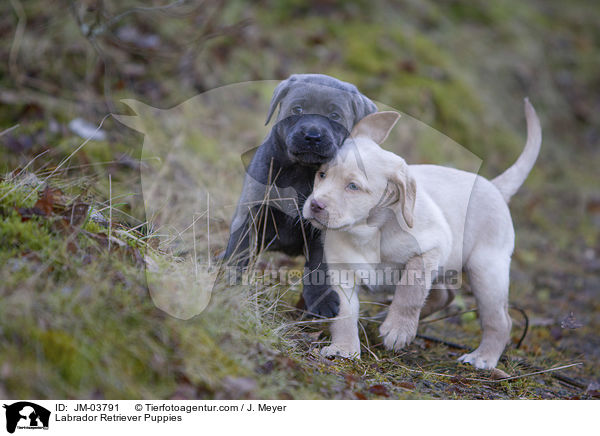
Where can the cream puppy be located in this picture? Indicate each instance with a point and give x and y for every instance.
(378, 210)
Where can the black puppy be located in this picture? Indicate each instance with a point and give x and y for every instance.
(317, 113)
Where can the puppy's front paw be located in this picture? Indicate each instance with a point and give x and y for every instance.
(336, 350)
(480, 360)
(397, 334)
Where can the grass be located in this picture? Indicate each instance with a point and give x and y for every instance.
(97, 334)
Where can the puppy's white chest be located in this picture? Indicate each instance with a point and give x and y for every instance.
(399, 247)
(363, 245)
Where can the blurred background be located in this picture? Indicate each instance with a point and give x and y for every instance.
(75, 317)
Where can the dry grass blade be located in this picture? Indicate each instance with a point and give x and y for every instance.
(10, 129)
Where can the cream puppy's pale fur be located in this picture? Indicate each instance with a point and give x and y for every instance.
(376, 208)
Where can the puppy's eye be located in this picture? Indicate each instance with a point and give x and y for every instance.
(353, 186)
(334, 116)
(321, 174)
(297, 110)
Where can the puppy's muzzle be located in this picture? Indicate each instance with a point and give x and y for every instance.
(316, 207)
(312, 137)
(313, 140)
(318, 212)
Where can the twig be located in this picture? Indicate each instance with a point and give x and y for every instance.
(525, 329)
(537, 370)
(451, 315)
(483, 380)
(441, 341)
(541, 371)
(560, 377)
(569, 380)
(450, 344)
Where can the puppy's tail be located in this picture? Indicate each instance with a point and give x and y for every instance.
(509, 182)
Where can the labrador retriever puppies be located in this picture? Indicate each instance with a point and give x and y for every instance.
(316, 114)
(377, 209)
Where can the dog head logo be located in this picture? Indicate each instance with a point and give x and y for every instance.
(191, 177)
(26, 415)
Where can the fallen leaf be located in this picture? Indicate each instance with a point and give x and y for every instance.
(27, 212)
(407, 65)
(360, 395)
(380, 390)
(285, 396)
(498, 374)
(350, 379)
(287, 362)
(593, 206)
(406, 385)
(48, 200)
(72, 247)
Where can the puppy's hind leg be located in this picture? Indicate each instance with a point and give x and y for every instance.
(489, 277)
(437, 300)
(344, 328)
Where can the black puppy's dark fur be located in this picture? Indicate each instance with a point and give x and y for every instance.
(290, 156)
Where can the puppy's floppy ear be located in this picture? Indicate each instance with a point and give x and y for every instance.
(402, 188)
(279, 94)
(362, 106)
(376, 126)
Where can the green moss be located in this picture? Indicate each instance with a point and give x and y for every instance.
(65, 353)
(24, 236)
(94, 227)
(15, 195)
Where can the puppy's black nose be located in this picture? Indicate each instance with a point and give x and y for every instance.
(316, 206)
(312, 136)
